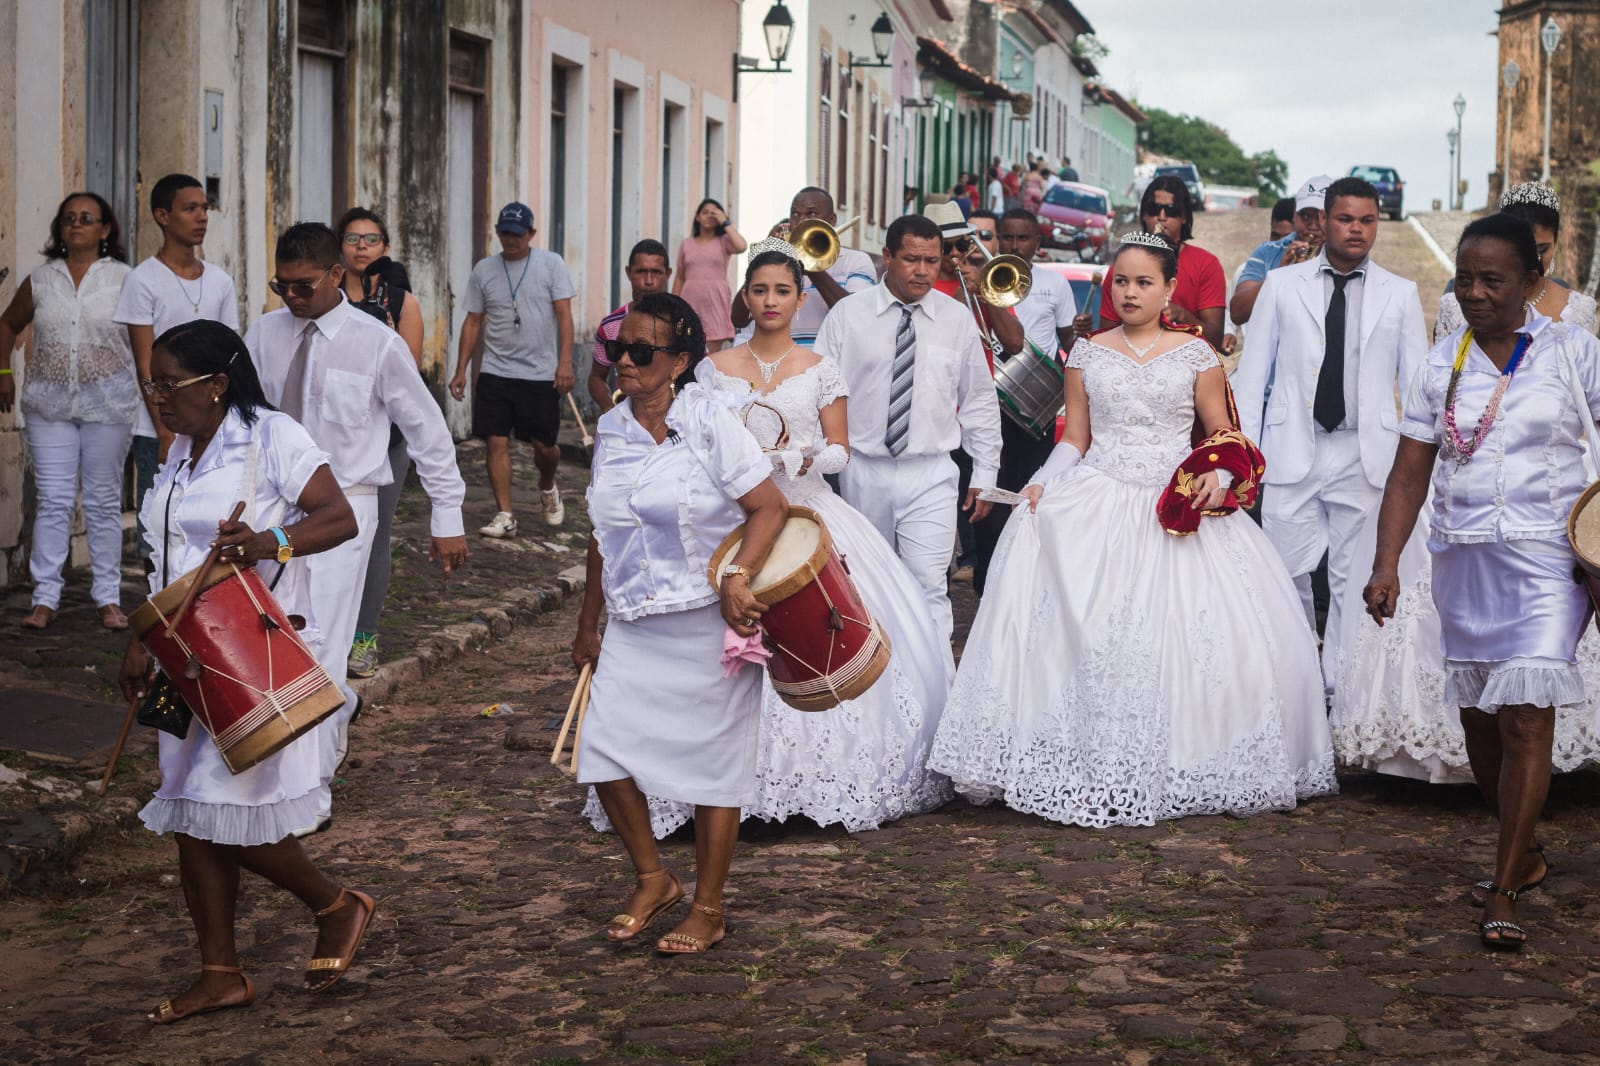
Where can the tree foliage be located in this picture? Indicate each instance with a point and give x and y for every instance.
(1209, 147)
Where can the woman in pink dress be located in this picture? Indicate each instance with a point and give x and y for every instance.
(702, 274)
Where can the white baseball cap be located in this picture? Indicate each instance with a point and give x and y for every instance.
(1313, 194)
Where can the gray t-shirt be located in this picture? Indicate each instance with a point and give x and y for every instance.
(527, 352)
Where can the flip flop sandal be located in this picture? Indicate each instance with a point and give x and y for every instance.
(336, 966)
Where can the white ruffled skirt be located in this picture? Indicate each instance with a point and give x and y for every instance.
(865, 762)
(1390, 711)
(1118, 675)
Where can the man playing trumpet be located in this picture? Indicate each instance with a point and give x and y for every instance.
(831, 281)
(1299, 246)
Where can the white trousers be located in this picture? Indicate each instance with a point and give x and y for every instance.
(336, 577)
(1322, 512)
(63, 454)
(911, 501)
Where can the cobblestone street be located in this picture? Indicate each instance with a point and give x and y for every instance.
(1337, 933)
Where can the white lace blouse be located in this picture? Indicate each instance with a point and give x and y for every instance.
(82, 364)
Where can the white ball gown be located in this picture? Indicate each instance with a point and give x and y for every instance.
(1119, 675)
(1389, 713)
(864, 762)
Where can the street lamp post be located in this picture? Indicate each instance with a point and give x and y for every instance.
(1508, 77)
(1451, 136)
(1550, 37)
(1460, 105)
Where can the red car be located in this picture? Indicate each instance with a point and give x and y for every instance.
(1075, 222)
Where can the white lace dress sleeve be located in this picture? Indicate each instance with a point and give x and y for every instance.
(1449, 319)
(1580, 312)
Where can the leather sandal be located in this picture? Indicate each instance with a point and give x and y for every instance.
(677, 943)
(111, 617)
(1480, 889)
(1506, 936)
(39, 618)
(625, 926)
(166, 1015)
(336, 966)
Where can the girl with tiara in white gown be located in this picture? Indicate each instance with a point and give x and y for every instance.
(863, 762)
(1389, 711)
(1117, 674)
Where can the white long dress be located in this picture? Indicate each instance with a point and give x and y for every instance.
(1389, 708)
(1118, 675)
(864, 762)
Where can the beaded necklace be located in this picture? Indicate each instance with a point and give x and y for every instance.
(1463, 450)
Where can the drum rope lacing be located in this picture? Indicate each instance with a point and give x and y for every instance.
(833, 612)
(269, 696)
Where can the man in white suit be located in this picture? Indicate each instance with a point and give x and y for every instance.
(1339, 339)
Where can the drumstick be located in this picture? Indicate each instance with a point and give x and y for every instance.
(200, 577)
(116, 749)
(572, 713)
(577, 732)
(588, 441)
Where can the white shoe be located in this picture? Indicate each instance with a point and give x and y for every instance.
(554, 511)
(503, 525)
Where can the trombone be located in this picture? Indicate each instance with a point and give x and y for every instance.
(816, 242)
(1004, 281)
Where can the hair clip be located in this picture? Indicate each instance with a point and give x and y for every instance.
(1531, 192)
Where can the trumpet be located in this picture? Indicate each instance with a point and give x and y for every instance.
(1301, 251)
(816, 241)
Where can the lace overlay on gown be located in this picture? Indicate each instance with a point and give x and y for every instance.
(1580, 312)
(864, 762)
(1134, 695)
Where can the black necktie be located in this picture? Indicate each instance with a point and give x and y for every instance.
(1328, 407)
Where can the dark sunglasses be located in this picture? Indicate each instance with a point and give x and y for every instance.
(300, 290)
(639, 353)
(956, 246)
(985, 234)
(1169, 210)
(85, 219)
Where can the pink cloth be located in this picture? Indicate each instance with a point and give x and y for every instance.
(703, 266)
(737, 650)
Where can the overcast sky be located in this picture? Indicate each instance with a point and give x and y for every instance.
(1327, 86)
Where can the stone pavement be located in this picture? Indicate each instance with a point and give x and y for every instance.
(1335, 933)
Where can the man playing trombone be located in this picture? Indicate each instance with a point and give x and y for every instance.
(832, 271)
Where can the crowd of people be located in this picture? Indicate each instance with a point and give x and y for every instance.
(1128, 595)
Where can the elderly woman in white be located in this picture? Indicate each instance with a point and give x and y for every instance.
(674, 473)
(1497, 415)
(230, 446)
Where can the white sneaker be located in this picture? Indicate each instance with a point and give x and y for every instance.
(554, 511)
(503, 525)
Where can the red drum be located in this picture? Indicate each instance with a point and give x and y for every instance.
(826, 647)
(249, 678)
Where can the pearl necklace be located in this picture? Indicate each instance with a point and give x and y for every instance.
(769, 369)
(1542, 288)
(1138, 352)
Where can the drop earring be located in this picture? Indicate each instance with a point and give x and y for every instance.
(104, 248)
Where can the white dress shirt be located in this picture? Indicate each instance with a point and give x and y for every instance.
(953, 402)
(1529, 471)
(361, 379)
(661, 510)
(1049, 306)
(1352, 331)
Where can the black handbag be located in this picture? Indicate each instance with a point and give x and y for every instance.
(164, 708)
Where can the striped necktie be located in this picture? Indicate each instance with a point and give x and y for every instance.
(905, 368)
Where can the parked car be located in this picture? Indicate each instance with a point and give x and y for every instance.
(1071, 212)
(1189, 174)
(1391, 190)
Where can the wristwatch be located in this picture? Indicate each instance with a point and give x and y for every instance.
(732, 570)
(285, 549)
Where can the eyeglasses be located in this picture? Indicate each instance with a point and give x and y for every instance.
(301, 290)
(167, 388)
(371, 240)
(639, 353)
(956, 246)
(1169, 210)
(84, 219)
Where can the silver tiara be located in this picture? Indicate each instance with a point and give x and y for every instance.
(1531, 192)
(774, 244)
(1147, 240)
